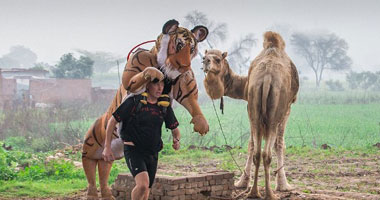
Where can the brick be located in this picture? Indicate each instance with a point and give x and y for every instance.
(169, 198)
(188, 197)
(218, 181)
(208, 177)
(171, 187)
(194, 185)
(212, 182)
(157, 191)
(120, 188)
(122, 175)
(176, 192)
(156, 197)
(201, 197)
(226, 193)
(216, 188)
(182, 185)
(190, 191)
(217, 176)
(205, 188)
(224, 181)
(200, 184)
(177, 180)
(197, 178)
(187, 185)
(228, 175)
(182, 197)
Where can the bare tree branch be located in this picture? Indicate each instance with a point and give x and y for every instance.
(321, 52)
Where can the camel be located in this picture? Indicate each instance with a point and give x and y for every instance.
(270, 88)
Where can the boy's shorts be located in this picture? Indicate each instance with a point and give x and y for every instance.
(139, 162)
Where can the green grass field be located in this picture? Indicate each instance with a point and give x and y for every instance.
(351, 130)
(340, 125)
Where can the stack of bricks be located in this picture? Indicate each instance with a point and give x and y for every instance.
(212, 185)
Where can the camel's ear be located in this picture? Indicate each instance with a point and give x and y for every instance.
(224, 55)
(170, 26)
(206, 51)
(200, 33)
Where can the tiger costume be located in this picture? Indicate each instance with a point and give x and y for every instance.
(169, 59)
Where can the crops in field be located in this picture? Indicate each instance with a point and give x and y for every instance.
(339, 125)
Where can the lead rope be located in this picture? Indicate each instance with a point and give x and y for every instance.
(225, 140)
(149, 41)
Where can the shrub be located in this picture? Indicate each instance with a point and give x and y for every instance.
(334, 85)
(7, 171)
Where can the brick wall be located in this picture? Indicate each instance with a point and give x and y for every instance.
(100, 95)
(213, 185)
(8, 89)
(60, 90)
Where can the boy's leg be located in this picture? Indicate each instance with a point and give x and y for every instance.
(141, 190)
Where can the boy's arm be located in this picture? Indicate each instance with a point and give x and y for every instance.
(176, 138)
(107, 152)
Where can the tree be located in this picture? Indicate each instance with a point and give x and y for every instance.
(18, 57)
(239, 53)
(322, 52)
(334, 85)
(363, 80)
(217, 31)
(70, 67)
(103, 61)
(42, 66)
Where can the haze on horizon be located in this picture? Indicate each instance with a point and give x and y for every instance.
(52, 28)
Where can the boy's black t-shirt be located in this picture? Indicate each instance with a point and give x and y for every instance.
(143, 127)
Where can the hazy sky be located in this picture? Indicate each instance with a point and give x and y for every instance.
(51, 27)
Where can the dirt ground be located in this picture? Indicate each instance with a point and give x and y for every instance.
(313, 176)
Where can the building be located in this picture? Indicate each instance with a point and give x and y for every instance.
(33, 87)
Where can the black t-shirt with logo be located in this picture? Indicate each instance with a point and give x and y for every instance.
(143, 127)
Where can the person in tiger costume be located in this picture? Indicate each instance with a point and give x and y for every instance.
(169, 60)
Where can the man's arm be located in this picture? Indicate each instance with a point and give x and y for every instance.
(176, 138)
(107, 152)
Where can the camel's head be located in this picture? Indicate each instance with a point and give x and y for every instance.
(176, 46)
(215, 65)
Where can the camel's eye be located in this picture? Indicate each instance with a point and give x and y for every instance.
(217, 60)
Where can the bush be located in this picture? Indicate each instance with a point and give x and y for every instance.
(335, 86)
(51, 170)
(42, 130)
(364, 80)
(7, 171)
(17, 143)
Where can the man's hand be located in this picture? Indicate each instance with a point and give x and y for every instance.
(108, 155)
(176, 144)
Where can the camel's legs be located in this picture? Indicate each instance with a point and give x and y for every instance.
(245, 177)
(89, 167)
(282, 183)
(255, 193)
(104, 172)
(267, 158)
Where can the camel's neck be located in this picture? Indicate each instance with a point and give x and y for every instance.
(235, 85)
